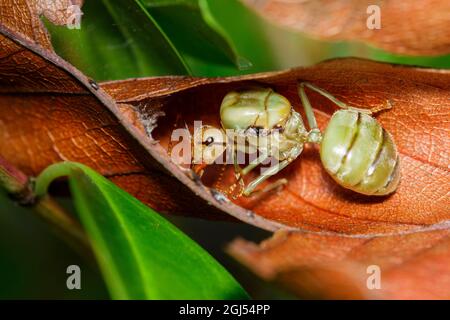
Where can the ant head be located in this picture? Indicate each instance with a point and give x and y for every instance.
(208, 144)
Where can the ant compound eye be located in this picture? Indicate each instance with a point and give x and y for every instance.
(208, 141)
(209, 144)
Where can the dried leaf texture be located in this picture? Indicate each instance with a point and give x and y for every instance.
(23, 17)
(407, 27)
(414, 266)
(312, 200)
(50, 112)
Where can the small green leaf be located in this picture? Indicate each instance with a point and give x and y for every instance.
(117, 40)
(141, 255)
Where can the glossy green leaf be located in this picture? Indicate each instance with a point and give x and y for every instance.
(136, 38)
(200, 39)
(249, 33)
(117, 40)
(141, 255)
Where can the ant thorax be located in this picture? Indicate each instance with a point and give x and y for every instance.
(283, 141)
(293, 137)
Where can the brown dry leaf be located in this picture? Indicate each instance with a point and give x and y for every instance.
(407, 27)
(23, 16)
(312, 200)
(50, 112)
(414, 266)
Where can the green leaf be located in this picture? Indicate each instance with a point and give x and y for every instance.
(432, 62)
(137, 38)
(195, 33)
(248, 32)
(117, 40)
(141, 255)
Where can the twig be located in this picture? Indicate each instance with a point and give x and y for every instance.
(19, 187)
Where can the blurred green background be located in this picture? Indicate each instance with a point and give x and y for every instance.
(130, 38)
(138, 38)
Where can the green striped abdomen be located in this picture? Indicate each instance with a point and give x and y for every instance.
(359, 154)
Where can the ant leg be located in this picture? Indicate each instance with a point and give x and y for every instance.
(314, 134)
(330, 97)
(240, 173)
(237, 173)
(254, 164)
(269, 172)
(237, 168)
(388, 105)
(271, 186)
(199, 169)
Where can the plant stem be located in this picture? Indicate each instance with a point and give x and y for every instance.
(63, 223)
(11, 179)
(18, 186)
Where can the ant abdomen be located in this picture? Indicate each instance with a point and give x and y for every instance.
(359, 154)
